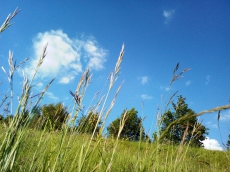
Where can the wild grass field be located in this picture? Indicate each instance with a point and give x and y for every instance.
(25, 148)
(41, 152)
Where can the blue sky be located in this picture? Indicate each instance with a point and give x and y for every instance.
(157, 35)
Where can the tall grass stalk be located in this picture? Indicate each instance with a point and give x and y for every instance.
(7, 23)
(122, 124)
(113, 78)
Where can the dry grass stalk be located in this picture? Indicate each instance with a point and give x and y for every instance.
(7, 23)
(178, 76)
(113, 102)
(44, 91)
(40, 61)
(114, 75)
(122, 124)
(113, 78)
(79, 93)
(183, 139)
(84, 81)
(13, 68)
(4, 100)
(170, 99)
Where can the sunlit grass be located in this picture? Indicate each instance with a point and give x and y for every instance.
(126, 158)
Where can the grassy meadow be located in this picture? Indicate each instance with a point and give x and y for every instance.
(47, 151)
(26, 149)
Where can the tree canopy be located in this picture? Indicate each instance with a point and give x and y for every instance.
(188, 130)
(87, 123)
(132, 129)
(228, 142)
(54, 116)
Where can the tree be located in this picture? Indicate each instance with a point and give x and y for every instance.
(228, 142)
(54, 116)
(36, 119)
(8, 119)
(87, 124)
(1, 118)
(187, 130)
(132, 129)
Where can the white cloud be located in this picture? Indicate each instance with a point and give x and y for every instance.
(188, 83)
(207, 79)
(168, 14)
(40, 84)
(225, 116)
(211, 144)
(96, 55)
(165, 88)
(51, 96)
(64, 56)
(214, 126)
(211, 125)
(66, 79)
(146, 97)
(144, 80)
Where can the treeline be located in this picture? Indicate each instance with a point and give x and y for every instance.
(128, 126)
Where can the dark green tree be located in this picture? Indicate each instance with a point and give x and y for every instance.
(132, 129)
(36, 118)
(187, 130)
(53, 116)
(87, 123)
(8, 119)
(228, 142)
(1, 118)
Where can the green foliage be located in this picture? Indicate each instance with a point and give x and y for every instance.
(132, 129)
(7, 120)
(36, 118)
(228, 143)
(1, 118)
(53, 116)
(186, 131)
(87, 124)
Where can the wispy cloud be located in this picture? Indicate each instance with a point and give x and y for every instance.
(211, 144)
(165, 88)
(67, 79)
(144, 79)
(225, 115)
(188, 83)
(95, 55)
(211, 125)
(207, 79)
(65, 57)
(40, 84)
(168, 15)
(51, 96)
(146, 97)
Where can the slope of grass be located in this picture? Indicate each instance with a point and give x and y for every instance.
(39, 150)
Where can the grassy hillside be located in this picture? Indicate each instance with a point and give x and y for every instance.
(47, 151)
